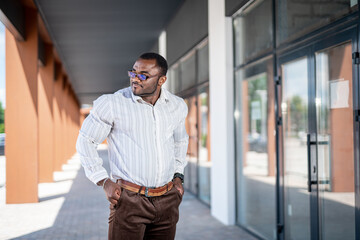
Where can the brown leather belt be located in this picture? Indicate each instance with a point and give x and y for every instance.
(147, 191)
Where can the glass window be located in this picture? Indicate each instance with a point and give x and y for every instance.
(174, 79)
(295, 18)
(255, 126)
(203, 64)
(253, 31)
(185, 74)
(204, 147)
(191, 126)
(170, 82)
(188, 71)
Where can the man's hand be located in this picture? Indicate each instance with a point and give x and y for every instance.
(112, 190)
(178, 185)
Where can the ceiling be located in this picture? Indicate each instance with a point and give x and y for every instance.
(99, 40)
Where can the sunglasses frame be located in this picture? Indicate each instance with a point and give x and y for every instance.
(139, 75)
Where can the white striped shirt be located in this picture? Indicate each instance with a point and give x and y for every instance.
(147, 144)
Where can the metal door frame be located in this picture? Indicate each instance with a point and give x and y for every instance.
(350, 33)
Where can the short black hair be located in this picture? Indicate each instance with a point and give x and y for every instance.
(160, 61)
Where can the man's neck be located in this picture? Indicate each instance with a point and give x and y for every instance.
(153, 98)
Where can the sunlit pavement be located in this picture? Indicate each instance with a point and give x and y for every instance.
(74, 208)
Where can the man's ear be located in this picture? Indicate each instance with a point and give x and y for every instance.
(162, 80)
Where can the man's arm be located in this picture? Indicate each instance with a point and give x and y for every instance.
(181, 140)
(95, 129)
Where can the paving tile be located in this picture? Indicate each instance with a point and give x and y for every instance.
(73, 208)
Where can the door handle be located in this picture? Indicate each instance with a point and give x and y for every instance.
(308, 144)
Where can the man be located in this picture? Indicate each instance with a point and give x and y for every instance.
(145, 129)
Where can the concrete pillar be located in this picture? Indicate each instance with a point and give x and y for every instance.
(162, 51)
(221, 113)
(46, 125)
(21, 119)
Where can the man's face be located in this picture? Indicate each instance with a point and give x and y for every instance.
(148, 87)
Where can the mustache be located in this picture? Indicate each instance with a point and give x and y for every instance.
(136, 84)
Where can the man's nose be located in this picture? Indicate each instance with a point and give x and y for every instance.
(136, 80)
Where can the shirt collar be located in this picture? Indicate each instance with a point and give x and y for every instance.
(164, 97)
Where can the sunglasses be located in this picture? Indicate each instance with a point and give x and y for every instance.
(140, 76)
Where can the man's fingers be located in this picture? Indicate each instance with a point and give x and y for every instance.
(180, 189)
(117, 193)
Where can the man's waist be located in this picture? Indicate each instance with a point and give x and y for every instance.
(148, 180)
(147, 191)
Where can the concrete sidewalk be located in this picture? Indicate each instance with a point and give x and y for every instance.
(73, 208)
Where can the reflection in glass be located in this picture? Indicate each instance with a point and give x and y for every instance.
(192, 152)
(204, 147)
(253, 31)
(294, 109)
(296, 18)
(335, 142)
(174, 79)
(188, 71)
(203, 64)
(255, 127)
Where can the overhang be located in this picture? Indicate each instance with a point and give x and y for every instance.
(98, 41)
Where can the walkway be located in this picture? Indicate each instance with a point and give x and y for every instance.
(73, 208)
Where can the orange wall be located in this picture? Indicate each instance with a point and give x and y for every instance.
(57, 123)
(46, 135)
(42, 117)
(64, 143)
(21, 119)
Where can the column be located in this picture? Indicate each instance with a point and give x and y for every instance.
(57, 119)
(221, 113)
(21, 118)
(45, 118)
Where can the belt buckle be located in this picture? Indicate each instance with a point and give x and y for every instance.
(146, 192)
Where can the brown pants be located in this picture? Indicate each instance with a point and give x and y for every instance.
(137, 217)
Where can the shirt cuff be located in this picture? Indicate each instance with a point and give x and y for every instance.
(179, 169)
(98, 176)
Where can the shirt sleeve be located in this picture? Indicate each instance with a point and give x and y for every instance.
(181, 140)
(95, 128)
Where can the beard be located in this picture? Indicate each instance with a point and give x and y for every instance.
(147, 92)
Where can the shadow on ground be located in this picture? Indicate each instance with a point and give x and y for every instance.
(83, 215)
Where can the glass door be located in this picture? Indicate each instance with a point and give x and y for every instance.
(255, 148)
(294, 110)
(335, 142)
(317, 138)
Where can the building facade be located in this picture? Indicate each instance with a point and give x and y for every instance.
(272, 88)
(280, 101)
